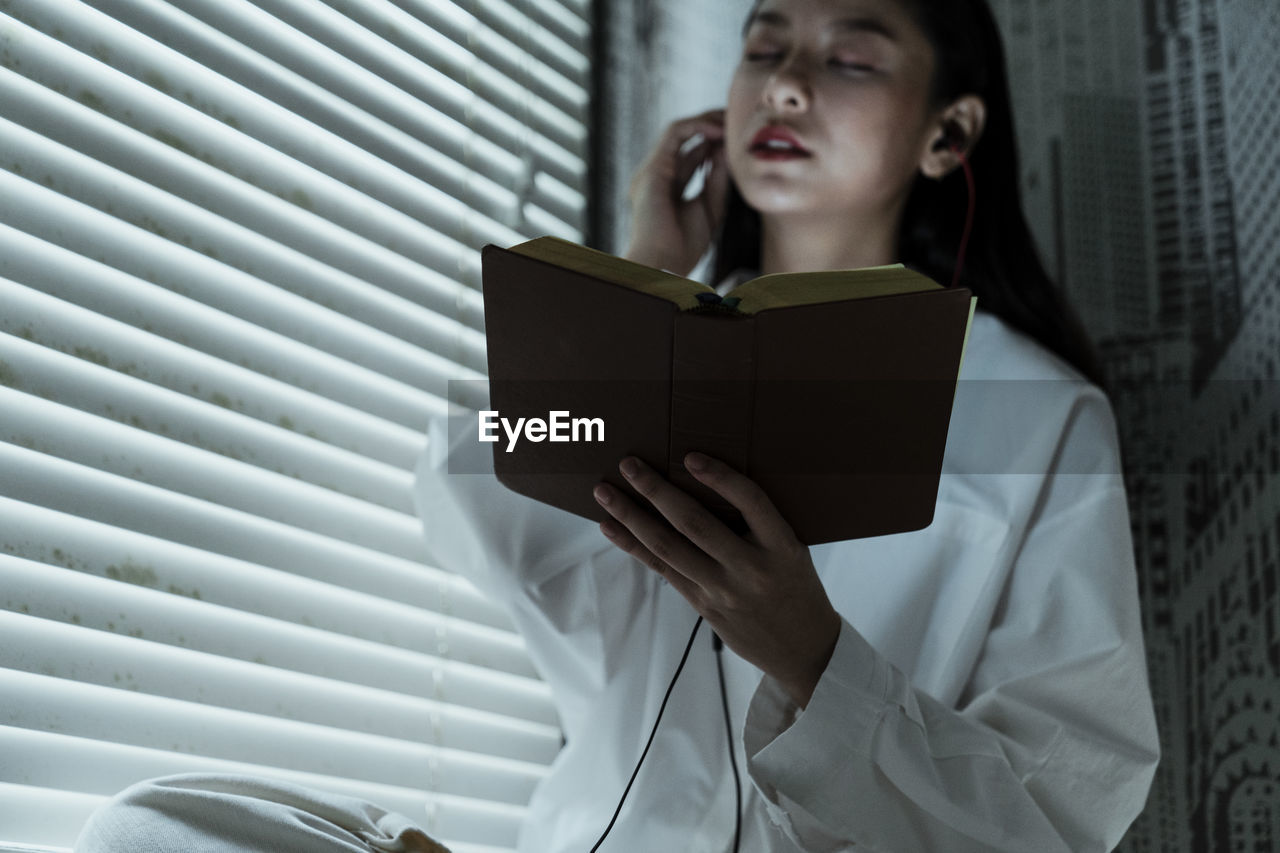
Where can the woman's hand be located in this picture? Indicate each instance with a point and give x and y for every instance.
(667, 230)
(759, 592)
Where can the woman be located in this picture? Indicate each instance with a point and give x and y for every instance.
(978, 685)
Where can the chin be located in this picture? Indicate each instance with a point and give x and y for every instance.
(776, 195)
(775, 203)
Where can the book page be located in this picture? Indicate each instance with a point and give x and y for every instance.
(778, 290)
(614, 270)
(781, 290)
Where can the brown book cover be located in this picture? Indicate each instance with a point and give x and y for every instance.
(831, 390)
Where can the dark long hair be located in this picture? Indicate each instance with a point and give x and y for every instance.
(1002, 266)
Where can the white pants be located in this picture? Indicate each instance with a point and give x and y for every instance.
(223, 813)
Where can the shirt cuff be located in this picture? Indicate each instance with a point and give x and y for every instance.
(795, 755)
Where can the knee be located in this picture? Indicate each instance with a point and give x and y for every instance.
(195, 813)
(128, 821)
(223, 813)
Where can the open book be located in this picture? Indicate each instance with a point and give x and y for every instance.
(831, 390)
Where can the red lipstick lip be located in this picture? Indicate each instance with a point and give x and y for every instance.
(770, 133)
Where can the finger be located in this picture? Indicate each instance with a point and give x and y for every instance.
(693, 520)
(669, 167)
(690, 159)
(700, 155)
(663, 160)
(660, 547)
(709, 125)
(770, 528)
(630, 545)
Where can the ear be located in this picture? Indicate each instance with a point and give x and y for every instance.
(958, 126)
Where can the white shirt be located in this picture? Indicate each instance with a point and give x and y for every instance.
(988, 690)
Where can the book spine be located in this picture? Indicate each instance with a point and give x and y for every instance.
(712, 371)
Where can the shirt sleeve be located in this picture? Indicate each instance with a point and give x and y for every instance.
(540, 563)
(499, 540)
(1051, 747)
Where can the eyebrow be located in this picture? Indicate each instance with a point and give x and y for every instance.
(856, 24)
(865, 25)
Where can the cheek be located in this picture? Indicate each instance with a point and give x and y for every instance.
(739, 106)
(891, 133)
(737, 114)
(912, 122)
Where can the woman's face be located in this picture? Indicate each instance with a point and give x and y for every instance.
(829, 108)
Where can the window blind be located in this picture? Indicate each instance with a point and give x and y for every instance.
(238, 265)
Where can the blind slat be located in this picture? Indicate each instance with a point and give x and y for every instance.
(66, 434)
(99, 391)
(269, 147)
(460, 46)
(428, 137)
(200, 332)
(177, 395)
(580, 9)
(81, 765)
(42, 815)
(109, 500)
(123, 662)
(136, 153)
(363, 616)
(136, 719)
(568, 21)
(429, 657)
(330, 342)
(301, 593)
(517, 78)
(560, 42)
(123, 502)
(239, 267)
(362, 310)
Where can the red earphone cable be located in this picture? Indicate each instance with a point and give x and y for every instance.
(968, 219)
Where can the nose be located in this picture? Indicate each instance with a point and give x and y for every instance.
(787, 90)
